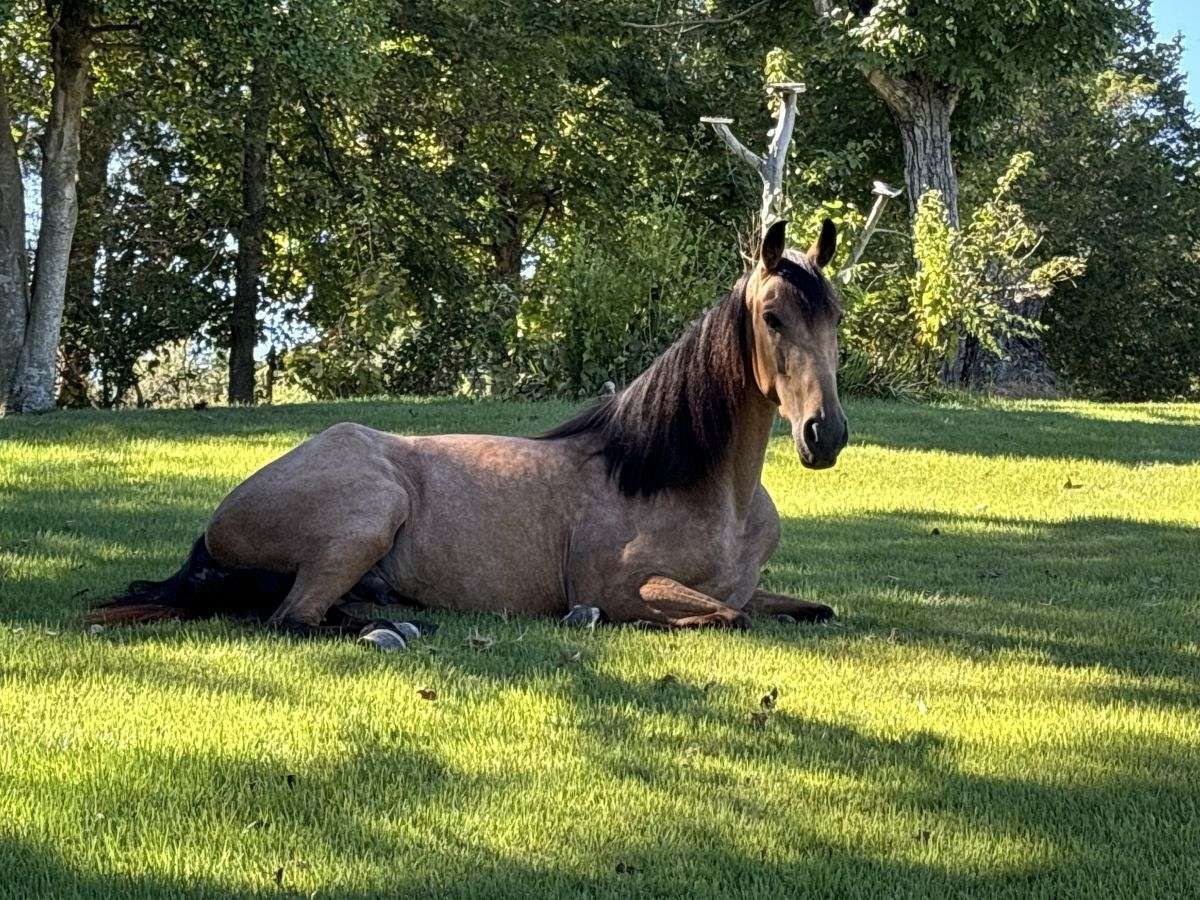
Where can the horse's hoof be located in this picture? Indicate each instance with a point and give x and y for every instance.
(384, 639)
(819, 612)
(582, 617)
(407, 630)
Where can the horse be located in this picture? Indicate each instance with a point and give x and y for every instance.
(646, 506)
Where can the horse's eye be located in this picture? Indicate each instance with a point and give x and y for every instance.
(772, 321)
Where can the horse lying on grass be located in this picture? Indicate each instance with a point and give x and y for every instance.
(646, 506)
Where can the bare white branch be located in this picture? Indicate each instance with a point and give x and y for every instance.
(883, 193)
(771, 168)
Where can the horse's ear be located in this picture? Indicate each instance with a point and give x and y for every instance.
(773, 245)
(823, 248)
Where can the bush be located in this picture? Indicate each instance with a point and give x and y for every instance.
(905, 322)
(601, 309)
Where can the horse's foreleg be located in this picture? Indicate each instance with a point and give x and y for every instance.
(764, 603)
(672, 604)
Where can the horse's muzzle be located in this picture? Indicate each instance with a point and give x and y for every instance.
(820, 440)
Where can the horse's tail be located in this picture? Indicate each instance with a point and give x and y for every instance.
(200, 589)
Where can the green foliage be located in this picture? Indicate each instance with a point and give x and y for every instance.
(1118, 179)
(979, 281)
(612, 300)
(986, 47)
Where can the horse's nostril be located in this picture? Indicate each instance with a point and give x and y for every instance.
(811, 434)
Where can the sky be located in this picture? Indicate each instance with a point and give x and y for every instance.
(1183, 16)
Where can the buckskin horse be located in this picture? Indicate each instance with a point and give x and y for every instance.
(646, 505)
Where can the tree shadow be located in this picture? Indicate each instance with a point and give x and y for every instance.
(384, 817)
(1029, 433)
(1061, 591)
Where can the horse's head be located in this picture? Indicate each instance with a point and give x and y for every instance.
(794, 317)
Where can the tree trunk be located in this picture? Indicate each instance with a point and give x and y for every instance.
(244, 323)
(922, 112)
(98, 135)
(70, 47)
(14, 264)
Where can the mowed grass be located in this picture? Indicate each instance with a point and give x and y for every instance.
(1008, 703)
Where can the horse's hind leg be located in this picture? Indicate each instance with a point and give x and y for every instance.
(764, 603)
(332, 572)
(667, 602)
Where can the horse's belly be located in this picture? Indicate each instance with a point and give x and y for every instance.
(489, 526)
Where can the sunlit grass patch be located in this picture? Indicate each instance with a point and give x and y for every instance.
(1009, 702)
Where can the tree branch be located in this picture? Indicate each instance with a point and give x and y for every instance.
(116, 26)
(547, 203)
(314, 120)
(770, 168)
(688, 25)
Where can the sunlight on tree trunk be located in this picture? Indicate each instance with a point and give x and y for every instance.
(922, 114)
(244, 324)
(70, 43)
(98, 135)
(14, 277)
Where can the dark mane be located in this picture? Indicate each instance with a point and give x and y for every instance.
(673, 423)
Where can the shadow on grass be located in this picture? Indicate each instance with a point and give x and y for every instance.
(397, 818)
(423, 416)
(1031, 433)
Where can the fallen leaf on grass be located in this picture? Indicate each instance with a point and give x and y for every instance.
(1069, 485)
(428, 694)
(480, 643)
(626, 869)
(667, 680)
(922, 837)
(768, 700)
(567, 657)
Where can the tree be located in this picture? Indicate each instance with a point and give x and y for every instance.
(923, 56)
(1117, 178)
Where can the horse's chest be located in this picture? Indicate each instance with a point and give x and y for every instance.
(709, 547)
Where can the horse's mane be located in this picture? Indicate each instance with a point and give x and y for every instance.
(674, 422)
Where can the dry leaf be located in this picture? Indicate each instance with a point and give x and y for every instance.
(428, 694)
(480, 643)
(768, 700)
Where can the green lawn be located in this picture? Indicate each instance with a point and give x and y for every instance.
(1009, 702)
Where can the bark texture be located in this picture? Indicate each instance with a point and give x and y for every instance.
(244, 322)
(922, 111)
(97, 138)
(14, 275)
(70, 46)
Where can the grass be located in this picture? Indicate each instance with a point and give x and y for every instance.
(1009, 703)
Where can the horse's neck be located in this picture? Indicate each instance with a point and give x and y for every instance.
(748, 449)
